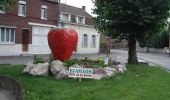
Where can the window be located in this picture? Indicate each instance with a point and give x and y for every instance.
(7, 35)
(93, 41)
(22, 8)
(80, 20)
(65, 17)
(73, 19)
(44, 12)
(85, 41)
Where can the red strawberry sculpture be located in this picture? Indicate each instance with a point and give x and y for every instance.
(62, 42)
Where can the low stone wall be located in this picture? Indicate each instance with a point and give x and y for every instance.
(7, 83)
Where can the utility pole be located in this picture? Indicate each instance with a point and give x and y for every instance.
(169, 39)
(58, 12)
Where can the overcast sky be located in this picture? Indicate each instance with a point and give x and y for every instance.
(79, 3)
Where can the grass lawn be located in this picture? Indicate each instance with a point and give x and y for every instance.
(140, 82)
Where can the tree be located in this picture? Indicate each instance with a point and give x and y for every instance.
(6, 4)
(135, 18)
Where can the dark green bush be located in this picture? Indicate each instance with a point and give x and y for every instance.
(159, 41)
(38, 60)
(69, 63)
(92, 63)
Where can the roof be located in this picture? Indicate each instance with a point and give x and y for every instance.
(74, 10)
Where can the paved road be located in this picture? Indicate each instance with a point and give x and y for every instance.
(156, 58)
(118, 55)
(159, 59)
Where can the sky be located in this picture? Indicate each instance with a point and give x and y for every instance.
(79, 3)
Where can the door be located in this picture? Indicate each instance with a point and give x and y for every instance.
(25, 40)
(39, 40)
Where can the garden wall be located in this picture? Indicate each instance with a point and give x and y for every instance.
(7, 83)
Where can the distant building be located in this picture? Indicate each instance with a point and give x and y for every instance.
(24, 28)
(79, 20)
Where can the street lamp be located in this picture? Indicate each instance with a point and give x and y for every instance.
(169, 40)
(58, 13)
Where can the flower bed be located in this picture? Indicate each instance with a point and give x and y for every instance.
(61, 69)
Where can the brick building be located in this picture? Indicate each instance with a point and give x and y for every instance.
(24, 28)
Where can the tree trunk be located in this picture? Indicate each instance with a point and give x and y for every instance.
(147, 49)
(132, 50)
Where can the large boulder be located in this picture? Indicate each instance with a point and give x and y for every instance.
(63, 74)
(99, 76)
(121, 68)
(28, 67)
(41, 69)
(57, 66)
(99, 71)
(110, 71)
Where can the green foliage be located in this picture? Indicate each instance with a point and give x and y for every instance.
(92, 63)
(38, 60)
(141, 82)
(6, 4)
(158, 41)
(138, 17)
(50, 59)
(69, 63)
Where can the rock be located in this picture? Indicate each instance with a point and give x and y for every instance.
(115, 63)
(99, 71)
(120, 68)
(41, 69)
(28, 67)
(123, 66)
(62, 74)
(99, 76)
(57, 66)
(110, 71)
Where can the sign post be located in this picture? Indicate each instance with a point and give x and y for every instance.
(80, 73)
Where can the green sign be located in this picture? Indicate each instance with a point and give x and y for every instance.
(80, 72)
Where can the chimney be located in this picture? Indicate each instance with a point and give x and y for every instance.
(84, 8)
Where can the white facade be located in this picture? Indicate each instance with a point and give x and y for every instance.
(90, 31)
(10, 49)
(39, 41)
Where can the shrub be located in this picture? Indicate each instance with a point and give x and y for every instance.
(38, 60)
(69, 63)
(92, 63)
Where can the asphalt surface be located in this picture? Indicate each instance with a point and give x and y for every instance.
(160, 59)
